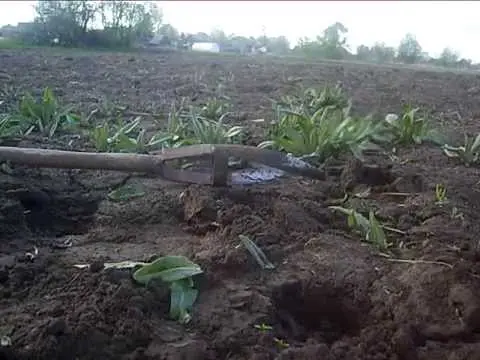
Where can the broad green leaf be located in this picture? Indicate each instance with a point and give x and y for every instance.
(182, 298)
(126, 192)
(376, 235)
(476, 143)
(266, 144)
(168, 269)
(256, 252)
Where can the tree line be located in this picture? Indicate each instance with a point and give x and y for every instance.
(76, 23)
(124, 24)
(332, 45)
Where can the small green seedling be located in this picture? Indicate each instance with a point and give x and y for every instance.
(469, 153)
(46, 115)
(457, 214)
(370, 228)
(263, 327)
(178, 272)
(440, 193)
(256, 252)
(214, 109)
(9, 127)
(126, 192)
(410, 128)
(281, 343)
(203, 130)
(126, 137)
(376, 235)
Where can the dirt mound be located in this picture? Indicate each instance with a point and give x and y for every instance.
(329, 295)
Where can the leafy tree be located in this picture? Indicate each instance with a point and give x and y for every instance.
(67, 21)
(201, 37)
(126, 21)
(465, 63)
(70, 23)
(364, 53)
(169, 35)
(278, 45)
(240, 45)
(330, 46)
(379, 53)
(156, 16)
(218, 36)
(448, 58)
(383, 53)
(409, 50)
(334, 35)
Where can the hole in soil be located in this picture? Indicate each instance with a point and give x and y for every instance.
(47, 213)
(302, 309)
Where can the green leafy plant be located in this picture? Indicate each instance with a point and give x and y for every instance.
(198, 125)
(124, 137)
(214, 109)
(115, 137)
(369, 227)
(440, 193)
(325, 134)
(9, 127)
(256, 252)
(178, 272)
(410, 128)
(46, 115)
(176, 130)
(100, 136)
(469, 153)
(263, 327)
(310, 100)
(200, 130)
(126, 192)
(283, 344)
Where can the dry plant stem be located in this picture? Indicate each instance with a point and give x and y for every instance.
(405, 261)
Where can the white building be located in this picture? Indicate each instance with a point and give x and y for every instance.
(206, 46)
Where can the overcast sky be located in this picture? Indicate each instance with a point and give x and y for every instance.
(436, 24)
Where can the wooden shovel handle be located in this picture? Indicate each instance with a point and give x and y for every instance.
(155, 163)
(44, 158)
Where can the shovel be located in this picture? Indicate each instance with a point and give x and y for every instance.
(264, 165)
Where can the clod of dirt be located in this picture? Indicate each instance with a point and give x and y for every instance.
(467, 306)
(316, 351)
(405, 342)
(293, 218)
(356, 172)
(199, 204)
(159, 205)
(440, 227)
(409, 183)
(186, 349)
(390, 212)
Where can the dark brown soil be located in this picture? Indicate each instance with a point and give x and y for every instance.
(330, 296)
